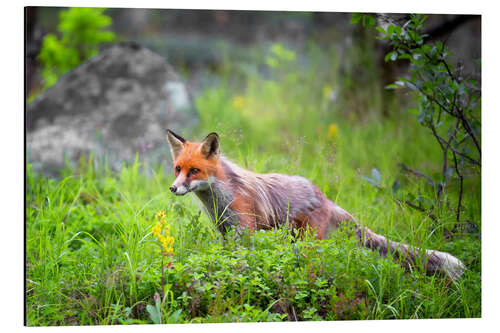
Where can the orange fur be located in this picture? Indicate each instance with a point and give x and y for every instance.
(191, 157)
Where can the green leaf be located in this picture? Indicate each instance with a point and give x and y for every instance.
(154, 314)
(391, 55)
(405, 56)
(439, 46)
(392, 86)
(368, 20)
(355, 18)
(174, 317)
(390, 29)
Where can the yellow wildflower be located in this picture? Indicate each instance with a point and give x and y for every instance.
(333, 131)
(161, 230)
(160, 214)
(239, 102)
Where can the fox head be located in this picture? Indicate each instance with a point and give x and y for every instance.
(194, 162)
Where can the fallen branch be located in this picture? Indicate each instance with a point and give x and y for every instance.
(420, 209)
(416, 173)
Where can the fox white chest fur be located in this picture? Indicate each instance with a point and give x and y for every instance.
(217, 198)
(234, 196)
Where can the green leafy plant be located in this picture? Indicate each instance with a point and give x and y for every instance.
(448, 105)
(155, 311)
(82, 31)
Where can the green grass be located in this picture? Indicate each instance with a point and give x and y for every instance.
(92, 258)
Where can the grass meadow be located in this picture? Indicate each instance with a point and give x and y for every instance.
(92, 258)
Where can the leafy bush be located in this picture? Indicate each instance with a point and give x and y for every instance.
(448, 105)
(82, 31)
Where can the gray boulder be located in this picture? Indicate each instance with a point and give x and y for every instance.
(117, 104)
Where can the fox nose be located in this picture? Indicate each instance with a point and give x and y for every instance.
(173, 188)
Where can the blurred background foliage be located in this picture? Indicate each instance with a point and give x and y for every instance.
(208, 45)
(81, 32)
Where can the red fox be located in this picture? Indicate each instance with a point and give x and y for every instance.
(234, 196)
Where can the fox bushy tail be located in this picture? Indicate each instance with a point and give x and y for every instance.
(410, 256)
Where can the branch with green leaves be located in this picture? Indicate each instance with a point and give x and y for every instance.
(448, 104)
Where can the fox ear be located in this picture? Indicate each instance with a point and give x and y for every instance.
(176, 143)
(210, 146)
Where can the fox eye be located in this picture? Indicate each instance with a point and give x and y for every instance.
(194, 171)
(177, 169)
